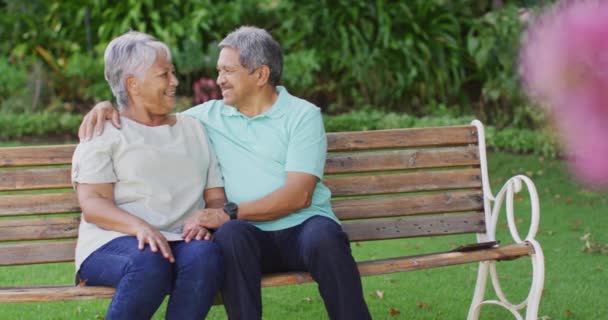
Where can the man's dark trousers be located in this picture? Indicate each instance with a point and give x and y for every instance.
(317, 245)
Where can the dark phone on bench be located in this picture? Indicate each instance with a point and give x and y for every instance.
(477, 246)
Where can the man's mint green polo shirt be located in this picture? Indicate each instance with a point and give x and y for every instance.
(256, 153)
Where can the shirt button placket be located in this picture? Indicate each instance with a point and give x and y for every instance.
(249, 132)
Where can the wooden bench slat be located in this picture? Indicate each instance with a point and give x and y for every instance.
(30, 253)
(67, 227)
(456, 223)
(36, 252)
(404, 182)
(32, 179)
(342, 141)
(37, 204)
(402, 159)
(399, 138)
(366, 268)
(35, 229)
(349, 209)
(38, 155)
(54, 293)
(410, 263)
(47, 203)
(50, 178)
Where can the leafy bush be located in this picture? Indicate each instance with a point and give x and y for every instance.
(13, 87)
(86, 79)
(39, 125)
(404, 56)
(399, 56)
(492, 43)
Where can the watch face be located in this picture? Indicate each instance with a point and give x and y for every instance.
(231, 207)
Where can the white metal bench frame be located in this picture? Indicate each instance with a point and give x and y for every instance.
(492, 207)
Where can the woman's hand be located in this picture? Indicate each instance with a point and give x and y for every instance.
(147, 234)
(95, 120)
(98, 207)
(211, 218)
(193, 230)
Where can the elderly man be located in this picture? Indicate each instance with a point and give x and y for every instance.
(271, 147)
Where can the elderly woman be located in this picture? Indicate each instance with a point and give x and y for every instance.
(139, 189)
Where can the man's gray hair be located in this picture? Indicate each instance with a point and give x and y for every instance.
(256, 47)
(131, 54)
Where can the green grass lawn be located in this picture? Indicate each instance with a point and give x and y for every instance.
(575, 285)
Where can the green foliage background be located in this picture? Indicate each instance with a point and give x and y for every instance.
(417, 57)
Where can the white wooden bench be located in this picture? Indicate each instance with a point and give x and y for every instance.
(386, 184)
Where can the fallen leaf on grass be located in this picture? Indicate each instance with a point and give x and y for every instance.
(423, 305)
(593, 247)
(380, 294)
(569, 313)
(393, 312)
(308, 299)
(549, 232)
(576, 225)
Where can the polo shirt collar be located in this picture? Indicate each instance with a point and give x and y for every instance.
(277, 110)
(230, 111)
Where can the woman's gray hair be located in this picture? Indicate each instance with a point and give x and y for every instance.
(131, 54)
(256, 47)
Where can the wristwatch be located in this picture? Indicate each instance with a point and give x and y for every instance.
(231, 209)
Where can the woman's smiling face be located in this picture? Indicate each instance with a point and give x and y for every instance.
(158, 85)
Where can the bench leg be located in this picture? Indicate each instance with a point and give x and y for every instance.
(531, 303)
(480, 290)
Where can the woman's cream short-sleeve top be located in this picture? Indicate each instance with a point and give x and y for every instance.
(159, 174)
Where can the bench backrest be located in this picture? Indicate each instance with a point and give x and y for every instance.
(385, 184)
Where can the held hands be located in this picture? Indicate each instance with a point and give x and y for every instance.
(146, 233)
(95, 120)
(211, 218)
(193, 230)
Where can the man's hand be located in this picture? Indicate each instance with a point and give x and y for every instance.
(146, 233)
(192, 230)
(95, 120)
(211, 218)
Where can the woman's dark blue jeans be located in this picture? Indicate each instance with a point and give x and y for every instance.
(143, 278)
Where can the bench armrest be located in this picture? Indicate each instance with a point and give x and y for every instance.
(506, 196)
(493, 204)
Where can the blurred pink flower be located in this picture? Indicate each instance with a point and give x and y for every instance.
(564, 66)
